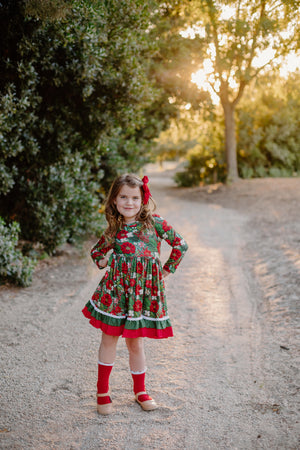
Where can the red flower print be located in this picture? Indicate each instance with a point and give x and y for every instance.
(101, 240)
(154, 307)
(117, 310)
(124, 267)
(138, 289)
(147, 252)
(165, 226)
(97, 255)
(106, 300)
(148, 283)
(127, 248)
(176, 253)
(95, 296)
(139, 267)
(176, 241)
(122, 234)
(137, 306)
(154, 290)
(154, 271)
(143, 237)
(109, 284)
(112, 265)
(132, 282)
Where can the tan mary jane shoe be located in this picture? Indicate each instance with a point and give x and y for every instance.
(147, 405)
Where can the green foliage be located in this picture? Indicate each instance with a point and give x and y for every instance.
(204, 166)
(268, 129)
(76, 109)
(14, 267)
(228, 36)
(268, 136)
(205, 160)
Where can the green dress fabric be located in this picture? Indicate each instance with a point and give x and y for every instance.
(130, 298)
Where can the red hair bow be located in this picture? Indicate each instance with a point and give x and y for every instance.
(147, 193)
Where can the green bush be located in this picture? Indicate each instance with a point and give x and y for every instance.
(14, 267)
(268, 123)
(202, 168)
(75, 104)
(268, 129)
(205, 161)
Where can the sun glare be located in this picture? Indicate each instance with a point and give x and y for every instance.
(205, 79)
(227, 12)
(264, 57)
(290, 64)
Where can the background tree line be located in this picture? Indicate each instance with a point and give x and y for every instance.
(88, 86)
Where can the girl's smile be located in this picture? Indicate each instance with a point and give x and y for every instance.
(128, 202)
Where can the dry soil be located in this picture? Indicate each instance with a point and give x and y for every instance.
(229, 379)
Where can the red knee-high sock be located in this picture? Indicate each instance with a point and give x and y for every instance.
(104, 371)
(139, 385)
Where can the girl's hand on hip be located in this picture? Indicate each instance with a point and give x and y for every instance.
(103, 262)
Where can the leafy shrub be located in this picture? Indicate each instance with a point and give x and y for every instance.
(75, 101)
(203, 168)
(205, 161)
(268, 123)
(14, 267)
(268, 129)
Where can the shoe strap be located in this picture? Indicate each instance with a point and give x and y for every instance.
(141, 393)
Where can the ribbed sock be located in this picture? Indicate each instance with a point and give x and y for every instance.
(139, 385)
(104, 371)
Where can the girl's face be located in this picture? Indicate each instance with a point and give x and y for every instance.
(128, 202)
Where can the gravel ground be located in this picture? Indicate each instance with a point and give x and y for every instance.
(229, 379)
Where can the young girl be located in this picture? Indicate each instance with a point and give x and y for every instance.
(130, 299)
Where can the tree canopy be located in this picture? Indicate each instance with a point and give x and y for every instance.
(232, 35)
(76, 108)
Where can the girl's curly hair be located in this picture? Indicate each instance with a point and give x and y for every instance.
(114, 219)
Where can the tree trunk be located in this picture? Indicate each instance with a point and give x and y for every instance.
(230, 142)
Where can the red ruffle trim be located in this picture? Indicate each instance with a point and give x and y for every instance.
(122, 331)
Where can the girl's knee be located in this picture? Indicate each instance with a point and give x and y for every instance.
(108, 340)
(135, 345)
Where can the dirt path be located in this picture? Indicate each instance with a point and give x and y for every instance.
(227, 380)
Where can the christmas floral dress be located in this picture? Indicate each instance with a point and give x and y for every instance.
(130, 298)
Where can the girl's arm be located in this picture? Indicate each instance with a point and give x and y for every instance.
(178, 244)
(99, 251)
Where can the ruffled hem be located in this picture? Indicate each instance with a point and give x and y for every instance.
(127, 330)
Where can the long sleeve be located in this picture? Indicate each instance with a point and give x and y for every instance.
(174, 239)
(99, 251)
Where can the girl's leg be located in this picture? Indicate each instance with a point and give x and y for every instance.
(107, 354)
(137, 359)
(108, 348)
(137, 363)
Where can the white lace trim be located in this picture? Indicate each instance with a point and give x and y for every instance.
(105, 313)
(139, 373)
(153, 319)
